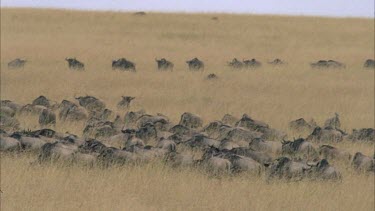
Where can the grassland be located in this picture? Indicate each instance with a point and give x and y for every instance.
(274, 95)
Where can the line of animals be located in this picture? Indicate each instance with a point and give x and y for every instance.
(194, 64)
(229, 146)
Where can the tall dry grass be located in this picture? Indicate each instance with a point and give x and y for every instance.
(274, 95)
(156, 187)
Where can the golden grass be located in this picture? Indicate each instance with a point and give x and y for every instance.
(274, 95)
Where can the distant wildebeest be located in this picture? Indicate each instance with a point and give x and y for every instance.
(235, 63)
(74, 64)
(164, 64)
(327, 64)
(195, 64)
(211, 76)
(17, 63)
(253, 63)
(125, 102)
(369, 63)
(276, 62)
(140, 13)
(123, 64)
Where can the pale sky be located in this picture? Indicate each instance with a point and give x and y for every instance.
(337, 8)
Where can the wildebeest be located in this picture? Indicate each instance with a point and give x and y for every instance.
(333, 122)
(327, 64)
(17, 63)
(164, 64)
(299, 148)
(364, 163)
(229, 119)
(140, 13)
(43, 101)
(369, 63)
(327, 134)
(9, 144)
(301, 125)
(285, 168)
(363, 134)
(324, 171)
(190, 120)
(91, 103)
(125, 102)
(47, 117)
(74, 64)
(211, 76)
(329, 152)
(276, 62)
(235, 63)
(195, 64)
(71, 112)
(131, 117)
(261, 145)
(252, 63)
(123, 64)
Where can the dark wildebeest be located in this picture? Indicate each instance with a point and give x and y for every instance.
(235, 63)
(327, 64)
(125, 102)
(276, 62)
(43, 101)
(299, 148)
(164, 64)
(17, 63)
(47, 117)
(74, 64)
(363, 134)
(141, 13)
(362, 162)
(91, 103)
(211, 76)
(327, 134)
(191, 120)
(253, 63)
(123, 64)
(195, 64)
(369, 63)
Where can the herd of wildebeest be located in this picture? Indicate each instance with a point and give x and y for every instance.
(229, 146)
(194, 64)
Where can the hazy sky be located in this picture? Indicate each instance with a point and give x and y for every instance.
(341, 8)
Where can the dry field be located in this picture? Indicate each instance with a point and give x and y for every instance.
(274, 95)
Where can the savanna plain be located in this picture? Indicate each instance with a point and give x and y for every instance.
(275, 95)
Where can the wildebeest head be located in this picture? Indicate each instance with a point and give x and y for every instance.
(125, 102)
